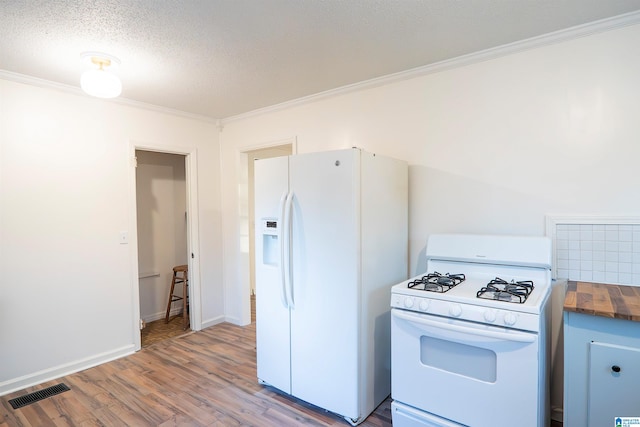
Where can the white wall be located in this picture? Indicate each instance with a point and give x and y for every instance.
(493, 147)
(66, 289)
(162, 228)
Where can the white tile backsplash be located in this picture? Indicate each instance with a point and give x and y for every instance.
(586, 266)
(625, 278)
(611, 236)
(625, 257)
(625, 267)
(625, 236)
(611, 256)
(611, 267)
(606, 252)
(586, 275)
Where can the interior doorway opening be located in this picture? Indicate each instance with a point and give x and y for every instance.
(276, 150)
(162, 230)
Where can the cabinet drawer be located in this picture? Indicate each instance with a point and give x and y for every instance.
(614, 375)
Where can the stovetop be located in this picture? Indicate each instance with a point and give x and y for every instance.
(484, 262)
(467, 293)
(461, 302)
(478, 277)
(498, 289)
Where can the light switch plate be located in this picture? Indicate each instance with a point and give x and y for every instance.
(124, 238)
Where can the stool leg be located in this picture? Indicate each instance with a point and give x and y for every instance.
(173, 284)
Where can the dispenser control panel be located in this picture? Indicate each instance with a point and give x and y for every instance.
(270, 226)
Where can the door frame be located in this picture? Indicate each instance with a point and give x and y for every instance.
(193, 244)
(245, 268)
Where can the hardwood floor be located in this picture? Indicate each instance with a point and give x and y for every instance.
(157, 330)
(206, 378)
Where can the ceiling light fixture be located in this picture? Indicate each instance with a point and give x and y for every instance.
(99, 82)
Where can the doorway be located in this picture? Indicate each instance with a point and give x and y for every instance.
(162, 229)
(165, 223)
(252, 156)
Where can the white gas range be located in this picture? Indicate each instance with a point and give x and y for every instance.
(470, 342)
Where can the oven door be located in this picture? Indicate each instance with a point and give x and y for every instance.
(473, 374)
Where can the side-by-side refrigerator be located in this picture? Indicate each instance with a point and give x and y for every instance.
(331, 240)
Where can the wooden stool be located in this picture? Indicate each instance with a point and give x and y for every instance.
(180, 275)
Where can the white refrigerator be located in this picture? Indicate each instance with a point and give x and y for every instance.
(331, 240)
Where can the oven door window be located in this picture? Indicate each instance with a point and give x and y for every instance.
(462, 359)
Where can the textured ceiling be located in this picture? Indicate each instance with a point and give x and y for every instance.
(219, 58)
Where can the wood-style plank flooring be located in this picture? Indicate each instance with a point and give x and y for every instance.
(206, 378)
(157, 330)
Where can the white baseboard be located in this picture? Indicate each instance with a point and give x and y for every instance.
(161, 314)
(235, 320)
(214, 321)
(175, 311)
(49, 374)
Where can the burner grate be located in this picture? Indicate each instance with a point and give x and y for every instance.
(500, 290)
(436, 282)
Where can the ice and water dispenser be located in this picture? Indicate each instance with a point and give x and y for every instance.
(270, 244)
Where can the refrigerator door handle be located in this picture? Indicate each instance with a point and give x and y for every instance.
(281, 233)
(286, 241)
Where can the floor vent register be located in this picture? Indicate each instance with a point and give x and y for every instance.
(36, 396)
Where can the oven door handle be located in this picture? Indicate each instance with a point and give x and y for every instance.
(507, 336)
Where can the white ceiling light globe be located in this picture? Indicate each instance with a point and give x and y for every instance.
(101, 84)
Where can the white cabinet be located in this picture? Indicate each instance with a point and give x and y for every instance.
(614, 376)
(602, 369)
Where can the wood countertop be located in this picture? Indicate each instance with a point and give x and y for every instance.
(605, 300)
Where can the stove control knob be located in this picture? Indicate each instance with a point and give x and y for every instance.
(408, 302)
(455, 310)
(510, 319)
(490, 316)
(424, 305)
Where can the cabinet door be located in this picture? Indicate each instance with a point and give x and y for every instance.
(614, 375)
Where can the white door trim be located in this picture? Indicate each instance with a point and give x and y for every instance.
(242, 156)
(193, 242)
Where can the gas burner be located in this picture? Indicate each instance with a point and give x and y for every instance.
(501, 290)
(436, 282)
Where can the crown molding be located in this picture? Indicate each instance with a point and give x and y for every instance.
(560, 36)
(48, 84)
(555, 37)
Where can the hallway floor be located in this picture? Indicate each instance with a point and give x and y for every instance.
(157, 330)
